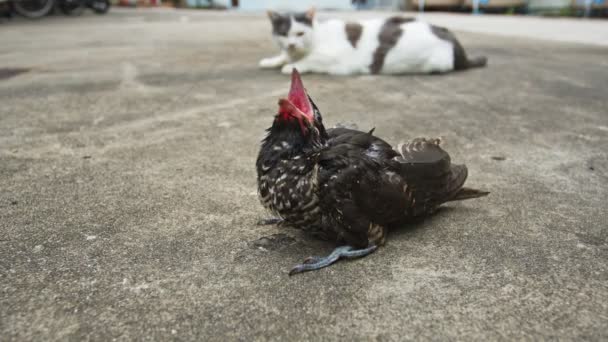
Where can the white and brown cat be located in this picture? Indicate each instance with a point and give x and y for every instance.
(395, 45)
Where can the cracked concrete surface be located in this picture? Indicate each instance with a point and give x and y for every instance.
(128, 200)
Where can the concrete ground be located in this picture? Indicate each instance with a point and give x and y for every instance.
(128, 194)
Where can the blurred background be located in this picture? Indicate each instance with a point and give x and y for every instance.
(569, 8)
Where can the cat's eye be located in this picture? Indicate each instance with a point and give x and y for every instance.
(300, 34)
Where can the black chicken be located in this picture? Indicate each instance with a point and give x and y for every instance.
(346, 185)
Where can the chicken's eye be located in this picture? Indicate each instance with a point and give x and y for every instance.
(318, 115)
(300, 34)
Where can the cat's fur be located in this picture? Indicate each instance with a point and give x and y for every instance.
(395, 45)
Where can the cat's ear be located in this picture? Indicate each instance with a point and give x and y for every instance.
(310, 14)
(272, 15)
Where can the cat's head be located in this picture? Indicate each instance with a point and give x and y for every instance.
(293, 32)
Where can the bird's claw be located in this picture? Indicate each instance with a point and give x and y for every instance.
(315, 263)
(311, 260)
(269, 221)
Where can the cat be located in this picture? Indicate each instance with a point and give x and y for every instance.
(395, 45)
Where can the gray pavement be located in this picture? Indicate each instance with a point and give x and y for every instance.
(128, 195)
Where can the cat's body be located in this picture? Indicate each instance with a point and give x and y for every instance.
(395, 45)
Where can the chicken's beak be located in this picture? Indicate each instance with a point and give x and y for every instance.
(297, 103)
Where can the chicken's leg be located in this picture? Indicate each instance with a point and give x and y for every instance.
(315, 263)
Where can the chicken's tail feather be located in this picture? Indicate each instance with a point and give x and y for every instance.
(457, 192)
(468, 193)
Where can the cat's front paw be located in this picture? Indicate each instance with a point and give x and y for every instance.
(288, 68)
(268, 63)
